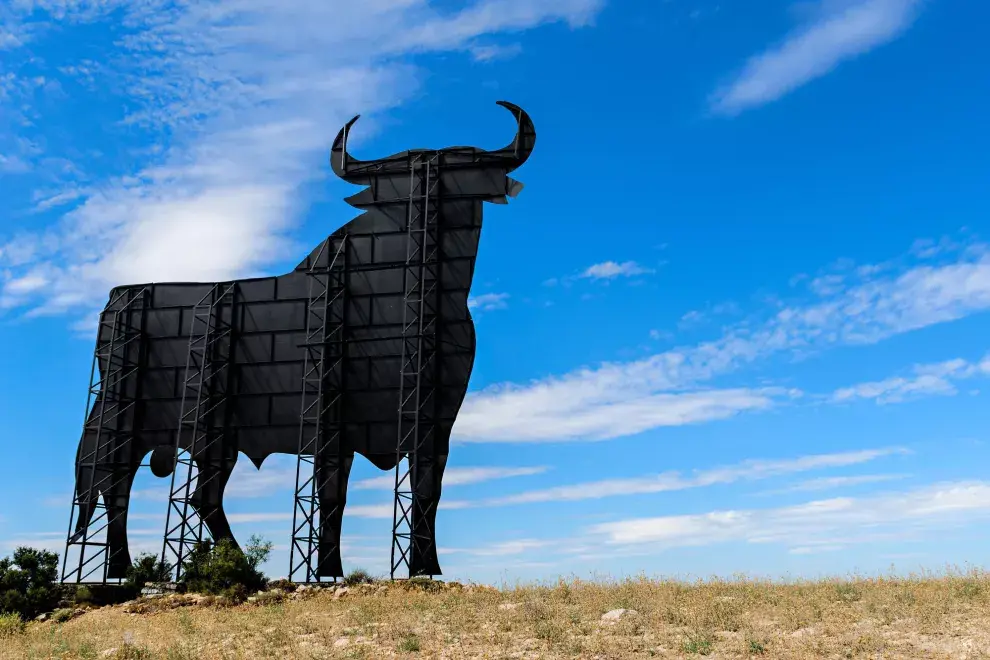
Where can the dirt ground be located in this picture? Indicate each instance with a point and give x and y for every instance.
(916, 618)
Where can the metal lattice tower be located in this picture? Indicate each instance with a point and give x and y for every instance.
(417, 395)
(200, 438)
(320, 417)
(114, 388)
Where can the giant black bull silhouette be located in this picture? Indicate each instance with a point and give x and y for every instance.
(262, 383)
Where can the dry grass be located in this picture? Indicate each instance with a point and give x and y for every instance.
(918, 617)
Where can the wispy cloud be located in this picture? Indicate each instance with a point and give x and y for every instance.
(834, 483)
(618, 399)
(516, 547)
(457, 476)
(609, 270)
(488, 301)
(925, 380)
(596, 405)
(250, 98)
(750, 470)
(838, 521)
(841, 30)
(490, 53)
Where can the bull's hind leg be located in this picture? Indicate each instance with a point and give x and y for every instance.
(334, 468)
(426, 498)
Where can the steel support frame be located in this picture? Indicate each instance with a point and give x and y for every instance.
(321, 422)
(417, 390)
(205, 387)
(122, 355)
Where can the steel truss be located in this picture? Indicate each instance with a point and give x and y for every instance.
(114, 387)
(200, 439)
(411, 536)
(319, 459)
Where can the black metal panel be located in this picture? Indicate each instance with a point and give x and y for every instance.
(217, 369)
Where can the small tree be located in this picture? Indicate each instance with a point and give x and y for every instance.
(28, 582)
(223, 568)
(146, 568)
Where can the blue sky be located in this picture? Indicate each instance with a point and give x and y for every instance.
(735, 323)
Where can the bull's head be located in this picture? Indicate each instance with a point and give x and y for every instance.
(494, 185)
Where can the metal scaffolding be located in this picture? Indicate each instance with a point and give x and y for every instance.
(202, 428)
(319, 460)
(106, 454)
(411, 537)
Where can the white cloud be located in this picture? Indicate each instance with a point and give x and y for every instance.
(840, 32)
(832, 483)
(13, 165)
(516, 547)
(749, 470)
(350, 511)
(251, 96)
(608, 270)
(594, 406)
(455, 477)
(623, 398)
(927, 380)
(490, 53)
(488, 301)
(837, 521)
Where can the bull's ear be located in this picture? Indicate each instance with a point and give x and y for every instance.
(512, 187)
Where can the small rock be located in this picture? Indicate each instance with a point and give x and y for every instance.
(508, 606)
(615, 615)
(41, 617)
(341, 643)
(340, 592)
(109, 653)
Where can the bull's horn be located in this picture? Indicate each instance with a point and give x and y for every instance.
(341, 161)
(522, 145)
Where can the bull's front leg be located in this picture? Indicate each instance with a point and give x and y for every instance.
(207, 499)
(332, 471)
(96, 479)
(117, 497)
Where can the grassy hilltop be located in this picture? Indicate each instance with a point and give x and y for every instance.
(926, 616)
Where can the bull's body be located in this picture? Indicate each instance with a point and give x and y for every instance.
(261, 385)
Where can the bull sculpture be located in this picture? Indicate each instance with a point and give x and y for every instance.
(249, 356)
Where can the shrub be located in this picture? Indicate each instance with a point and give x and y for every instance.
(62, 614)
(282, 585)
(147, 568)
(271, 597)
(409, 644)
(28, 582)
(224, 569)
(11, 625)
(358, 576)
(83, 595)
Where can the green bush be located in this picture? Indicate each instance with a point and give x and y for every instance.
(83, 595)
(10, 625)
(282, 585)
(147, 568)
(358, 576)
(62, 614)
(223, 569)
(28, 582)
